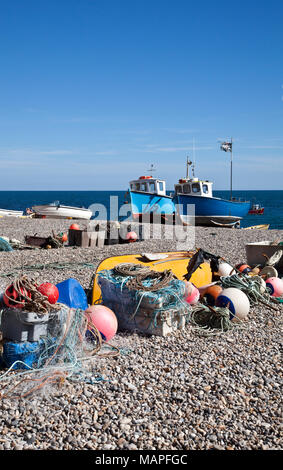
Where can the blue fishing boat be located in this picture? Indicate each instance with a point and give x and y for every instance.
(148, 198)
(194, 202)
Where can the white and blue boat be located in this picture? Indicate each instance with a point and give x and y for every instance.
(148, 198)
(208, 210)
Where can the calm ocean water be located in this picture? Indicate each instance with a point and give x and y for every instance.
(20, 200)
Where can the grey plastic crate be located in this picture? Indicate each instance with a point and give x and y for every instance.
(19, 326)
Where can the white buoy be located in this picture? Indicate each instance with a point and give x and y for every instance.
(237, 302)
(225, 270)
(269, 271)
(262, 287)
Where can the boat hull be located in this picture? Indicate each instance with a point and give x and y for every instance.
(10, 213)
(148, 204)
(62, 212)
(256, 211)
(210, 210)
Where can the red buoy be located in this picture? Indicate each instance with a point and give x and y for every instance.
(12, 299)
(50, 291)
(74, 227)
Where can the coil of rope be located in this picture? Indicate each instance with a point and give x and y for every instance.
(131, 269)
(157, 281)
(209, 321)
(143, 278)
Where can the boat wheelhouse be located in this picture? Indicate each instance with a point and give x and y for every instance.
(149, 198)
(194, 187)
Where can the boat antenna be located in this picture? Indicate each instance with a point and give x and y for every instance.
(194, 157)
(151, 169)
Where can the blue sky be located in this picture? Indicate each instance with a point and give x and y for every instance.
(95, 91)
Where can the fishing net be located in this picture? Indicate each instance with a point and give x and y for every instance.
(144, 299)
(62, 354)
(59, 354)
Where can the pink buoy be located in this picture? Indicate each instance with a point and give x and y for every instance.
(192, 294)
(131, 236)
(275, 284)
(103, 319)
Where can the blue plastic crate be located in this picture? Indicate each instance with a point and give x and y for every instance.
(26, 352)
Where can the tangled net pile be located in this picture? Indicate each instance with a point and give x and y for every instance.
(131, 288)
(60, 358)
(59, 355)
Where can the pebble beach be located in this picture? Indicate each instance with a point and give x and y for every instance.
(179, 392)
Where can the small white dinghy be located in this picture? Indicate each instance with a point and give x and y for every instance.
(56, 210)
(10, 213)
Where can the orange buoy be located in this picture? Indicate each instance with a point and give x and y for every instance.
(244, 268)
(64, 238)
(212, 293)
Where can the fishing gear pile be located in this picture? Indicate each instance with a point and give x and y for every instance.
(144, 299)
(43, 342)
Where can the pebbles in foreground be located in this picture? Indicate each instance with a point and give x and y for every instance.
(179, 392)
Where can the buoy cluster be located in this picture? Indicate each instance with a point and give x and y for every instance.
(214, 295)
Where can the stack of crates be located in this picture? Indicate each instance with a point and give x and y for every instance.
(24, 336)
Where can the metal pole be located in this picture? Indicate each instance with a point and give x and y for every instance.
(231, 170)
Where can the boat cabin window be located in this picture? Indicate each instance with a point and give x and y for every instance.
(195, 187)
(151, 187)
(143, 187)
(178, 188)
(161, 186)
(205, 188)
(187, 188)
(137, 186)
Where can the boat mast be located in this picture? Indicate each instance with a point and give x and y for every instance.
(231, 170)
(189, 162)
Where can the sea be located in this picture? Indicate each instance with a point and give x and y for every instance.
(272, 201)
